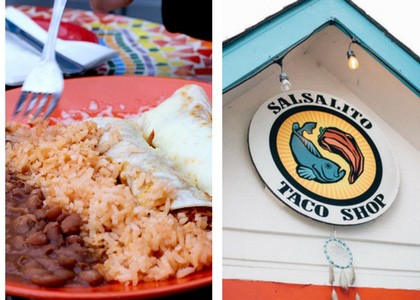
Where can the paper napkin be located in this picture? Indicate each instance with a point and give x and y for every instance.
(21, 57)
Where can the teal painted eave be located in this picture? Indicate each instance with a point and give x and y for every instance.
(255, 49)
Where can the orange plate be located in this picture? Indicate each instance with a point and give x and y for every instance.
(121, 95)
(100, 95)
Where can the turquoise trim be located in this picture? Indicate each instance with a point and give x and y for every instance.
(258, 47)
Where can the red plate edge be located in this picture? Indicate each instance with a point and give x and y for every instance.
(112, 88)
(113, 291)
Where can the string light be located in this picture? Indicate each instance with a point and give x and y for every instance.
(285, 84)
(352, 61)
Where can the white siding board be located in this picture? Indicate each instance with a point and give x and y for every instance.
(265, 240)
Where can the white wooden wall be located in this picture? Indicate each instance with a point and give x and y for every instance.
(265, 240)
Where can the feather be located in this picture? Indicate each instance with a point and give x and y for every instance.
(332, 277)
(334, 295)
(343, 280)
(352, 276)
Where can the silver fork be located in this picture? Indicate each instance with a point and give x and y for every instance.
(46, 79)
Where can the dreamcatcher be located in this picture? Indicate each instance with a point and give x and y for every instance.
(340, 257)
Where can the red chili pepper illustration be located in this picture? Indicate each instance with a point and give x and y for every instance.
(344, 144)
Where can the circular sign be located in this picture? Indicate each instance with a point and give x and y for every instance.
(323, 157)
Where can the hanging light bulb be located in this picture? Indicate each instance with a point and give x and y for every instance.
(285, 84)
(352, 61)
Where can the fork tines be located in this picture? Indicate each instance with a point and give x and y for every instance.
(32, 102)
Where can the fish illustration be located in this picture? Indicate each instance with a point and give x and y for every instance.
(311, 165)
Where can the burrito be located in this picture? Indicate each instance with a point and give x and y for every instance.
(150, 175)
(181, 127)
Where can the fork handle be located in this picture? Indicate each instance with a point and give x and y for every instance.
(48, 52)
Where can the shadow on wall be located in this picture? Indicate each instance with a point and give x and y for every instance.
(149, 10)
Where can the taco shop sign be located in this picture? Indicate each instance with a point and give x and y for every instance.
(323, 157)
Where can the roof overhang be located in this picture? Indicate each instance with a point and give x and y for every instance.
(259, 46)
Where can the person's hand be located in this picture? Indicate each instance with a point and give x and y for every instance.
(107, 5)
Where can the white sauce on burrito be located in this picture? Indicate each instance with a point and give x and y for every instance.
(144, 165)
(181, 127)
